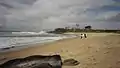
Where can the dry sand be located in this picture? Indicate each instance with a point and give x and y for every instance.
(99, 50)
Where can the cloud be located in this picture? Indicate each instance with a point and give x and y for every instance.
(114, 18)
(34, 15)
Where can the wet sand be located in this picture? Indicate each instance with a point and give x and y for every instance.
(99, 50)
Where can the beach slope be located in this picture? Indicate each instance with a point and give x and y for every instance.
(99, 50)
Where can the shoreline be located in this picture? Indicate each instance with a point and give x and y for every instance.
(14, 47)
(4, 55)
(17, 48)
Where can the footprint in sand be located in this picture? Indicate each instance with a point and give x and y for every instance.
(118, 62)
(106, 52)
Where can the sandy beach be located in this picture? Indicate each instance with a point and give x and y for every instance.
(99, 50)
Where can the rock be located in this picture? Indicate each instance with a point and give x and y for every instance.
(35, 61)
(70, 62)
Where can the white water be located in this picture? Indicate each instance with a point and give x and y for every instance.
(29, 33)
(22, 41)
(19, 41)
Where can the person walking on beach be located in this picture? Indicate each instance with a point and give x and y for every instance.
(85, 35)
(82, 35)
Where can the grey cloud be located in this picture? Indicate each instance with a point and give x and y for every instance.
(29, 2)
(6, 5)
(17, 4)
(115, 18)
(48, 14)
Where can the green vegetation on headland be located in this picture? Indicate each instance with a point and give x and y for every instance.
(86, 29)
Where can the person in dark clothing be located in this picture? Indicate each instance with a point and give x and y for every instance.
(85, 35)
(81, 36)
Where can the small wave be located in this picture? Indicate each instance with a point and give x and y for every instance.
(8, 42)
(30, 33)
(21, 41)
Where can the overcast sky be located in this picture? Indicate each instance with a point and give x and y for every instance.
(35, 15)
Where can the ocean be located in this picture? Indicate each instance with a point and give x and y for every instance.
(11, 40)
